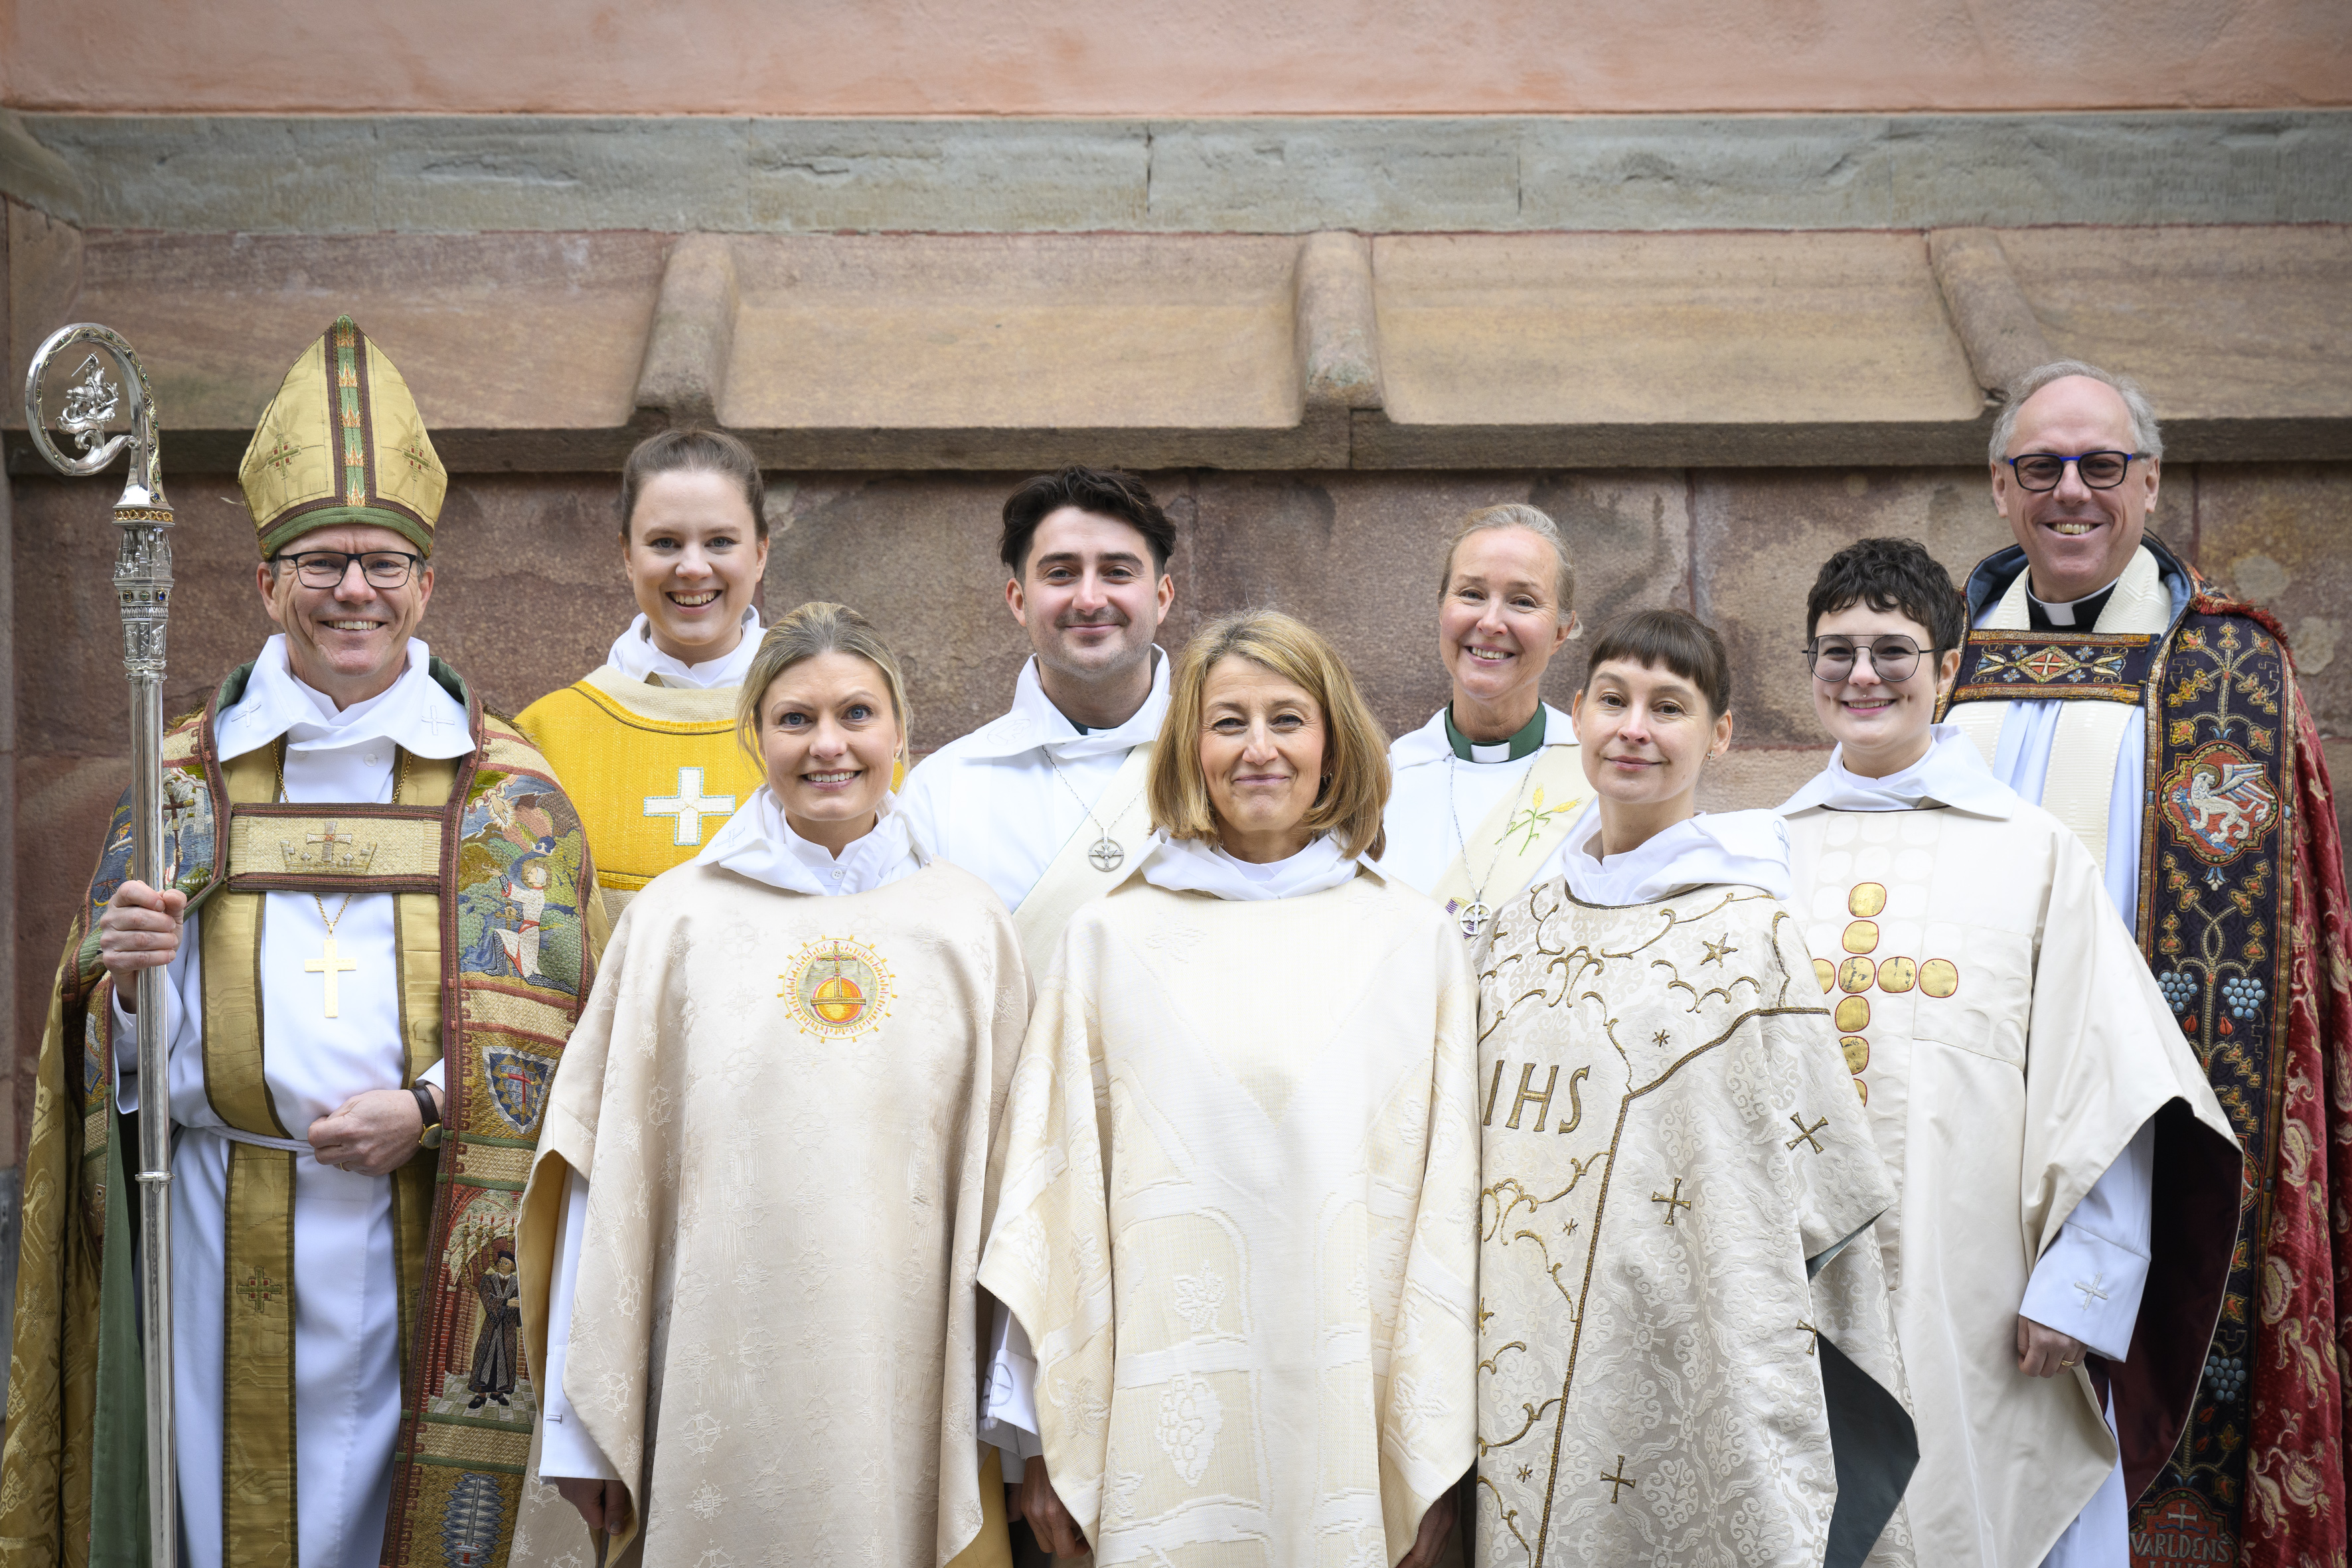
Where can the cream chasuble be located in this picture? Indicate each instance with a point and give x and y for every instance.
(1681, 1302)
(2010, 1043)
(781, 1104)
(1236, 1219)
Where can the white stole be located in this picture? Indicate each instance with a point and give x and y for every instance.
(2081, 779)
(1072, 877)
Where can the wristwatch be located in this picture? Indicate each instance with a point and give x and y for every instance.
(430, 1136)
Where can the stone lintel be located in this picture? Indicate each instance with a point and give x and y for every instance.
(1339, 337)
(1996, 323)
(692, 336)
(262, 174)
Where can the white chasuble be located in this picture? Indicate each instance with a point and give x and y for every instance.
(1681, 1302)
(781, 1106)
(1237, 1220)
(2012, 1045)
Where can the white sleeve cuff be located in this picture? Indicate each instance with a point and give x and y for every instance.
(126, 1039)
(2089, 1282)
(1008, 1406)
(566, 1452)
(437, 1075)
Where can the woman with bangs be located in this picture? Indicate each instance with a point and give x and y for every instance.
(749, 1233)
(1240, 1157)
(1688, 1354)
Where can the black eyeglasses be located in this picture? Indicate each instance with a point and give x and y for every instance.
(326, 568)
(1892, 658)
(2100, 471)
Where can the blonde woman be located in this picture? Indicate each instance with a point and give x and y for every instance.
(1235, 1221)
(1486, 790)
(770, 1138)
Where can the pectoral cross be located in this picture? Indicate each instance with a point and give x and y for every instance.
(1672, 1201)
(1619, 1480)
(2092, 1289)
(328, 965)
(1475, 917)
(1805, 1133)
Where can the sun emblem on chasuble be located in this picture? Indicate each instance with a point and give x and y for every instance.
(838, 988)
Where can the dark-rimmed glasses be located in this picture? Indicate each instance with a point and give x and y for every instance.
(1892, 658)
(326, 568)
(2099, 471)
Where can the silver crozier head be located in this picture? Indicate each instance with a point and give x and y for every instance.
(89, 405)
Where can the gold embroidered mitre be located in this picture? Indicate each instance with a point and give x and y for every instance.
(342, 443)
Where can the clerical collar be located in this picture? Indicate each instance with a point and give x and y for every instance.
(2074, 615)
(1952, 774)
(1194, 865)
(635, 655)
(1524, 743)
(1034, 721)
(413, 713)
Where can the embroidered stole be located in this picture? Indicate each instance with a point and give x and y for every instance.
(1513, 840)
(1072, 877)
(327, 849)
(2101, 676)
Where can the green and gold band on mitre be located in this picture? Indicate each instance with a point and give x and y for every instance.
(342, 443)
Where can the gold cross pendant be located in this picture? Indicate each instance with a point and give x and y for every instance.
(329, 965)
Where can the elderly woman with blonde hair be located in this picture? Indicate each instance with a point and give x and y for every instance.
(1486, 790)
(750, 1233)
(1237, 1215)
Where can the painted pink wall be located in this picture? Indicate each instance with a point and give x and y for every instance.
(837, 57)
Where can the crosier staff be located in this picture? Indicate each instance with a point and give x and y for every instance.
(143, 580)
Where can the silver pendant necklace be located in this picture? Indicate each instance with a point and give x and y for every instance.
(1106, 854)
(1476, 913)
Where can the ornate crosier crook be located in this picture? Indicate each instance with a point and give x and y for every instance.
(143, 583)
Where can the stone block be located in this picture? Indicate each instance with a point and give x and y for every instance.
(2259, 535)
(2214, 323)
(1758, 541)
(1022, 332)
(1757, 777)
(1989, 309)
(493, 333)
(1338, 332)
(1570, 341)
(692, 337)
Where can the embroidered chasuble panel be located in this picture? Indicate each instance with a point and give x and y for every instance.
(1670, 1134)
(782, 1106)
(1236, 1221)
(2009, 1043)
(653, 771)
(488, 869)
(2235, 883)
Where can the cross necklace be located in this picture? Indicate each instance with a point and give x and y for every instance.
(328, 965)
(1476, 916)
(1106, 854)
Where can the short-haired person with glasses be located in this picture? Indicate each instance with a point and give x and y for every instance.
(2157, 717)
(377, 930)
(2027, 1083)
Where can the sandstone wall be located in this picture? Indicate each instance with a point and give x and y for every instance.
(1033, 57)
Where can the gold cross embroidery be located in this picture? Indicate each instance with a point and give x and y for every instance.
(1672, 1201)
(1805, 1133)
(1620, 1479)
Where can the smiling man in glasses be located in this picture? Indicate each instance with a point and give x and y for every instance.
(2024, 1078)
(2159, 720)
(352, 967)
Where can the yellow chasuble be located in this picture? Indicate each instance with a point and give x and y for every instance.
(653, 770)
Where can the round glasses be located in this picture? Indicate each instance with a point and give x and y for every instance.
(327, 568)
(2099, 471)
(1892, 658)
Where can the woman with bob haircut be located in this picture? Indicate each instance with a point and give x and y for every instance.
(1486, 789)
(1687, 1351)
(770, 1136)
(1240, 1161)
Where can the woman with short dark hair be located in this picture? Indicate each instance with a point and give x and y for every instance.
(1686, 1355)
(1239, 1159)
